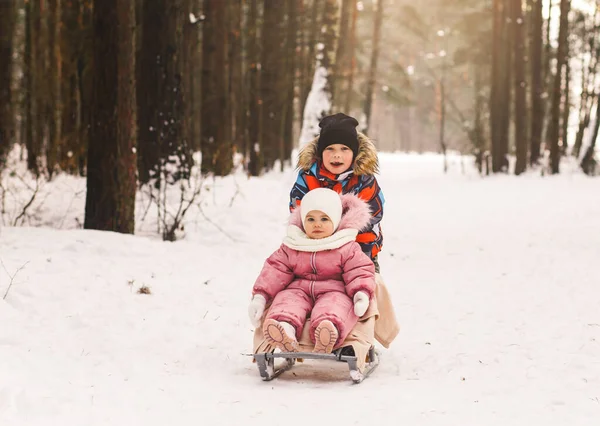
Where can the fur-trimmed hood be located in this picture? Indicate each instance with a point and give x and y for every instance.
(365, 163)
(355, 217)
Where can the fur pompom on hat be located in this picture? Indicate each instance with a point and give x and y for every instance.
(338, 128)
(325, 200)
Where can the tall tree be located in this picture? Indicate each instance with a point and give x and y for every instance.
(537, 81)
(55, 98)
(32, 107)
(500, 90)
(372, 77)
(561, 58)
(313, 37)
(190, 58)
(351, 58)
(7, 19)
(520, 87)
(76, 93)
(217, 149)
(565, 111)
(253, 102)
(164, 85)
(342, 54)
(150, 65)
(111, 183)
(589, 93)
(292, 44)
(272, 82)
(588, 163)
(236, 86)
(318, 103)
(175, 151)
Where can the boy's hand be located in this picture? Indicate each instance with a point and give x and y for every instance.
(256, 309)
(361, 303)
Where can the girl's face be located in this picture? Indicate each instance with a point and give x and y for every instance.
(317, 225)
(337, 158)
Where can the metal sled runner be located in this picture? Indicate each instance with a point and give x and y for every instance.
(267, 370)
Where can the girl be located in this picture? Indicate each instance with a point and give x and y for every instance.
(320, 271)
(344, 160)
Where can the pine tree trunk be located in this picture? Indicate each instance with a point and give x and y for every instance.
(565, 110)
(272, 83)
(55, 101)
(31, 105)
(195, 79)
(75, 70)
(291, 48)
(126, 120)
(7, 21)
(553, 130)
(253, 103)
(318, 102)
(477, 137)
(520, 87)
(547, 45)
(351, 59)
(189, 60)
(537, 81)
(313, 38)
(371, 79)
(547, 71)
(111, 181)
(341, 56)
(216, 126)
(40, 77)
(442, 114)
(85, 81)
(302, 46)
(581, 130)
(236, 87)
(588, 76)
(499, 98)
(149, 77)
(173, 141)
(588, 162)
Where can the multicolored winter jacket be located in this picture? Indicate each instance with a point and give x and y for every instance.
(359, 180)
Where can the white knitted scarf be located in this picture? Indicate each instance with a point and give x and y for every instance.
(296, 239)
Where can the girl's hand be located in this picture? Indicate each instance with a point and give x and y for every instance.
(361, 303)
(256, 309)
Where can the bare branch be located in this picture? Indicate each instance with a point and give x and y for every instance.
(75, 196)
(151, 194)
(183, 207)
(215, 225)
(237, 191)
(12, 277)
(28, 204)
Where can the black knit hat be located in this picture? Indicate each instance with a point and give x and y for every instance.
(338, 128)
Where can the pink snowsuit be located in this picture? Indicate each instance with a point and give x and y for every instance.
(318, 278)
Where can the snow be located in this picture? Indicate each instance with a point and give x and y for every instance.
(495, 284)
(318, 105)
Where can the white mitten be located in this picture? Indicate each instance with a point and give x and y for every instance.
(256, 309)
(361, 303)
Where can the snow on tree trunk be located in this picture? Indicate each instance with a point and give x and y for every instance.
(320, 98)
(318, 105)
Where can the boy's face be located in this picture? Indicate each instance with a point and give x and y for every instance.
(337, 158)
(317, 225)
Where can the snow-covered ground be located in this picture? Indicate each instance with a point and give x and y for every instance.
(495, 283)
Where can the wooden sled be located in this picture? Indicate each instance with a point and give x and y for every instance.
(358, 349)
